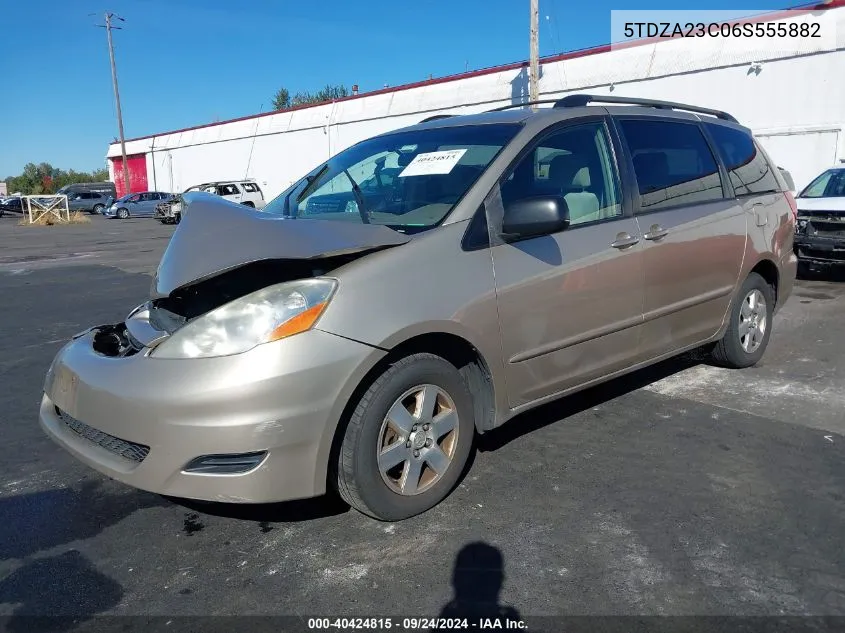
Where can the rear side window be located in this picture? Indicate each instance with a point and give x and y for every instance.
(672, 162)
(251, 188)
(749, 171)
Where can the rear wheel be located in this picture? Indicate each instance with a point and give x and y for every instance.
(248, 204)
(97, 210)
(408, 439)
(750, 327)
(123, 213)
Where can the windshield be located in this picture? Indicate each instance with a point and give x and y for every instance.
(831, 184)
(408, 181)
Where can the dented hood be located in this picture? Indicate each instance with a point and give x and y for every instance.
(216, 236)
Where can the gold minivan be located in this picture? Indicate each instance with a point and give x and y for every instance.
(421, 288)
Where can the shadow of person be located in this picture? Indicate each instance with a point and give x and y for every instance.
(477, 580)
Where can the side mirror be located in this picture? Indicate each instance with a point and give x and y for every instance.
(788, 178)
(531, 217)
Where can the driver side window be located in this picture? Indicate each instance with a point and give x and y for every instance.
(576, 164)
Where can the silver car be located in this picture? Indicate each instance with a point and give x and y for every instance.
(90, 201)
(359, 338)
(136, 205)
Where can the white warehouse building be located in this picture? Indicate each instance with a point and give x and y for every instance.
(789, 91)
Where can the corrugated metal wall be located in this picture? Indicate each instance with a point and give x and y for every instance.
(793, 99)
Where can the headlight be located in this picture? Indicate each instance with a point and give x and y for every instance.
(269, 314)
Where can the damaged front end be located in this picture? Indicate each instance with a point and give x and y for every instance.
(232, 278)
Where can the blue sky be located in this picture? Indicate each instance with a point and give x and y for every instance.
(189, 62)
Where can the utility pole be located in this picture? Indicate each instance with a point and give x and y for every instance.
(108, 26)
(534, 75)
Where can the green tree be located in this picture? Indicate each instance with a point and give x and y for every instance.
(281, 100)
(329, 93)
(44, 178)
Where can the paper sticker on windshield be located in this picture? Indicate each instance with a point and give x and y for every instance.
(433, 163)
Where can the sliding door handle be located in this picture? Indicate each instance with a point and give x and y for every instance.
(624, 240)
(656, 232)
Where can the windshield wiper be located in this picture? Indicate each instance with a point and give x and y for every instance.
(309, 181)
(359, 198)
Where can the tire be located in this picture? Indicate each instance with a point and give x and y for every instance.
(248, 204)
(98, 209)
(356, 473)
(122, 213)
(733, 350)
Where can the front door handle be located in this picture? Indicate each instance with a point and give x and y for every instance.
(656, 232)
(624, 240)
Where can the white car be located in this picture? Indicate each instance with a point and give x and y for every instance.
(820, 227)
(245, 192)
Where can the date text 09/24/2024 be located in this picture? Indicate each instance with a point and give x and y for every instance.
(414, 624)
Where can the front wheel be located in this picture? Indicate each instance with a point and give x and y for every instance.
(408, 439)
(123, 213)
(750, 325)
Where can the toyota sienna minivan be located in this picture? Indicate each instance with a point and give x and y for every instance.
(421, 288)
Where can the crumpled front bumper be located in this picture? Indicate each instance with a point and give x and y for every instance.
(817, 249)
(141, 420)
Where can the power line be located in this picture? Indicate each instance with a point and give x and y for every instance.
(554, 32)
(109, 16)
(534, 40)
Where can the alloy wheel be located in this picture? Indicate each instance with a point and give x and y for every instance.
(417, 440)
(753, 320)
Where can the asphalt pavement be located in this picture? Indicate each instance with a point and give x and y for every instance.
(682, 489)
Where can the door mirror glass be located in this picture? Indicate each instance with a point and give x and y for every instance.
(539, 215)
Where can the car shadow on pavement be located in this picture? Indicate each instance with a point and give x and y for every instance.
(567, 406)
(477, 579)
(40, 521)
(55, 594)
(263, 513)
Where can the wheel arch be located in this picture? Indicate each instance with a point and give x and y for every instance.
(458, 350)
(768, 270)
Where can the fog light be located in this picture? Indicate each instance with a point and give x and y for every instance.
(232, 464)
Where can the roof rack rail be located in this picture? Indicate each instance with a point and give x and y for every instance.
(522, 105)
(579, 100)
(437, 117)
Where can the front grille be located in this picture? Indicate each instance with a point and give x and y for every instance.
(128, 450)
(825, 224)
(826, 229)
